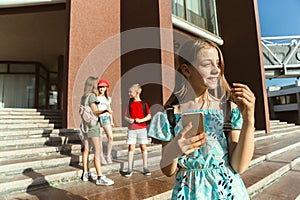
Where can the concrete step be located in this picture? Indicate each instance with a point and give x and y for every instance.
(19, 113)
(5, 127)
(287, 131)
(136, 187)
(276, 155)
(276, 122)
(275, 127)
(48, 132)
(38, 133)
(13, 117)
(259, 176)
(280, 126)
(18, 110)
(36, 178)
(287, 187)
(62, 156)
(24, 121)
(50, 139)
(12, 167)
(16, 153)
(263, 147)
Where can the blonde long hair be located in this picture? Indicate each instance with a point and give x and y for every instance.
(187, 55)
(90, 86)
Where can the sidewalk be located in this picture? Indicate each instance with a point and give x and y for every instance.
(138, 186)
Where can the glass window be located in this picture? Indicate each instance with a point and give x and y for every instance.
(178, 8)
(21, 68)
(17, 90)
(200, 13)
(43, 72)
(42, 93)
(3, 67)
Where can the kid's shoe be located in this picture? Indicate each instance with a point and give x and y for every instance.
(87, 176)
(128, 173)
(147, 172)
(103, 180)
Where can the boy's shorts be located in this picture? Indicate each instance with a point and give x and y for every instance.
(138, 134)
(104, 120)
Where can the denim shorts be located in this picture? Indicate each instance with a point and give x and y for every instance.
(104, 120)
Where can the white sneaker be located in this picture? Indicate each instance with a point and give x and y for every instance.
(87, 176)
(103, 180)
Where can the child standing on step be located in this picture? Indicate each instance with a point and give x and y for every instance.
(93, 135)
(105, 119)
(137, 114)
(207, 163)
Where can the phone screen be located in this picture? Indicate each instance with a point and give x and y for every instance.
(197, 120)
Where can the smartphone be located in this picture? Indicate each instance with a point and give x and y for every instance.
(197, 120)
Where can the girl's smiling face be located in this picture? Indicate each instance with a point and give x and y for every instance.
(206, 68)
(102, 89)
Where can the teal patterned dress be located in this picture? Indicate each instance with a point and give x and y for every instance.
(205, 173)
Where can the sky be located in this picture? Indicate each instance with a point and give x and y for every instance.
(279, 18)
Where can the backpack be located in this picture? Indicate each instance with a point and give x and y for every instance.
(144, 111)
(87, 116)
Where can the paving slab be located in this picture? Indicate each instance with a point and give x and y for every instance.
(286, 188)
(138, 186)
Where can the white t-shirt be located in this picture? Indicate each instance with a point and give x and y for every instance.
(103, 104)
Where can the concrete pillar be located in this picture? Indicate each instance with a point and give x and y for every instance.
(94, 50)
(147, 47)
(240, 30)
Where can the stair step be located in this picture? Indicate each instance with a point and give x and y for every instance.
(52, 160)
(25, 126)
(287, 187)
(272, 122)
(32, 157)
(19, 113)
(13, 117)
(36, 141)
(23, 121)
(32, 178)
(263, 147)
(18, 109)
(277, 132)
(15, 153)
(10, 167)
(268, 171)
(258, 177)
(50, 139)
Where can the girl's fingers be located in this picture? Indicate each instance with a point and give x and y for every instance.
(196, 138)
(197, 141)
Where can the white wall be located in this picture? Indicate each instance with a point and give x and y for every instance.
(33, 37)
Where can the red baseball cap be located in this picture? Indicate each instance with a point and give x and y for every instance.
(103, 82)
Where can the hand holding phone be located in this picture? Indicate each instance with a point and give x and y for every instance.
(197, 120)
